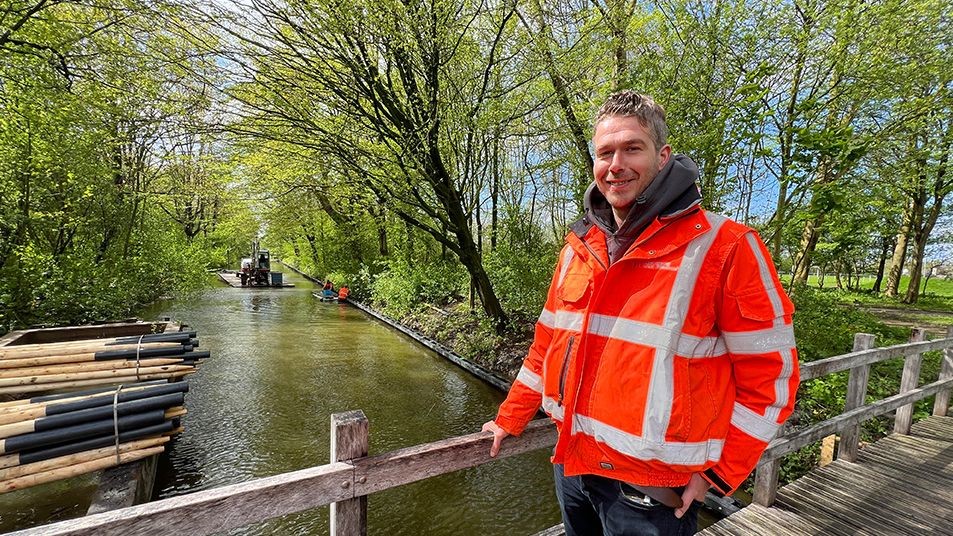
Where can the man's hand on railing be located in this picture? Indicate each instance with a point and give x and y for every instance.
(498, 435)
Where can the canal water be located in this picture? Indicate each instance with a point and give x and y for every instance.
(283, 362)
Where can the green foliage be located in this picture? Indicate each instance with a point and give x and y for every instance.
(825, 326)
(401, 289)
(75, 289)
(98, 211)
(390, 154)
(521, 276)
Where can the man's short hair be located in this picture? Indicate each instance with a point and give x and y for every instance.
(628, 103)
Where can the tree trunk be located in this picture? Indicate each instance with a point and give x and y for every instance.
(467, 250)
(479, 223)
(312, 247)
(899, 257)
(409, 244)
(786, 139)
(809, 238)
(916, 266)
(380, 222)
(495, 193)
(923, 226)
(884, 251)
(921, 237)
(561, 89)
(926, 281)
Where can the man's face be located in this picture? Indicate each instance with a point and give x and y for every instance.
(626, 161)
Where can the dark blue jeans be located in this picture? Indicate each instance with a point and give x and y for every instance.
(594, 505)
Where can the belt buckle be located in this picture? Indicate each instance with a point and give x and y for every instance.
(633, 494)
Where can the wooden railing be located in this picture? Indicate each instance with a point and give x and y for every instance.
(352, 475)
(344, 483)
(847, 424)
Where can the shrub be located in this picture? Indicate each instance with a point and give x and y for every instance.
(521, 277)
(400, 288)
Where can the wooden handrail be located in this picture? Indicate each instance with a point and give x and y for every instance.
(348, 479)
(837, 363)
(802, 438)
(228, 507)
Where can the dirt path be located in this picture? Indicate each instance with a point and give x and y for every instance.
(911, 318)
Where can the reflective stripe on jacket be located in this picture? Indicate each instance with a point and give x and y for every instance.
(678, 358)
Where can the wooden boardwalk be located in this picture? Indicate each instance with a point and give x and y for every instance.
(902, 484)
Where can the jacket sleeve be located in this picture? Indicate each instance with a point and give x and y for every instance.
(755, 318)
(526, 393)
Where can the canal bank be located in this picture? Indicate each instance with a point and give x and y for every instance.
(497, 368)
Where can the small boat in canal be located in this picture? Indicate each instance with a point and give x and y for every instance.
(327, 295)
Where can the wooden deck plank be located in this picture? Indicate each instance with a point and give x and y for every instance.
(937, 427)
(925, 447)
(806, 498)
(938, 473)
(833, 518)
(770, 524)
(911, 477)
(906, 482)
(718, 529)
(733, 525)
(877, 504)
(922, 454)
(931, 475)
(796, 523)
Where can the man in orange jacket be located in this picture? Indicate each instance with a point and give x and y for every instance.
(665, 352)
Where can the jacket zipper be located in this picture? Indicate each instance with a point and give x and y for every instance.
(564, 371)
(594, 256)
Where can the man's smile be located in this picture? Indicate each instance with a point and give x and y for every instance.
(619, 183)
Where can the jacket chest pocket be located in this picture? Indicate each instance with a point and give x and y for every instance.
(575, 290)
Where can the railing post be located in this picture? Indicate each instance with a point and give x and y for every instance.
(856, 392)
(766, 483)
(908, 382)
(942, 403)
(349, 440)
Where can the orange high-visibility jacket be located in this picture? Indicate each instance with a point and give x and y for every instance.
(677, 358)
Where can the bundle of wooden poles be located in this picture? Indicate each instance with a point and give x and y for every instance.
(58, 436)
(32, 368)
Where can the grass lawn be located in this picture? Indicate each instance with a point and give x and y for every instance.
(936, 287)
(933, 311)
(939, 295)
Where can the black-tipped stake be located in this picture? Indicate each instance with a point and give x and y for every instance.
(71, 418)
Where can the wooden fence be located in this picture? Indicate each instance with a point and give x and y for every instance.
(847, 424)
(352, 475)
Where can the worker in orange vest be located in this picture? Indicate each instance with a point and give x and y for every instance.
(665, 351)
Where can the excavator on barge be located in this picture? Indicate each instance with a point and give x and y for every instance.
(255, 271)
